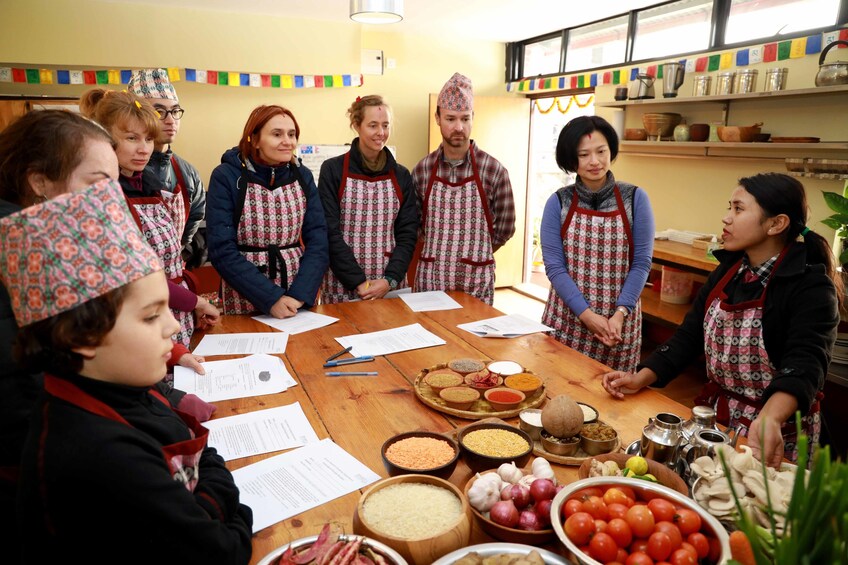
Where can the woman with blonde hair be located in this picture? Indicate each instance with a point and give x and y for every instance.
(371, 210)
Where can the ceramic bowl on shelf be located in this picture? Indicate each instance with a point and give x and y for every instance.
(699, 132)
(660, 124)
(635, 134)
(478, 461)
(395, 467)
(451, 534)
(738, 134)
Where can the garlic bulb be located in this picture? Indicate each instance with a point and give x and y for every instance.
(542, 469)
(484, 493)
(527, 480)
(510, 473)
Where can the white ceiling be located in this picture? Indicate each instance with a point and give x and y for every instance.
(493, 20)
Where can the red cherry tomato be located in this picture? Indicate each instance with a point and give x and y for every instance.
(580, 527)
(585, 493)
(615, 496)
(620, 531)
(659, 546)
(715, 549)
(672, 531)
(600, 526)
(617, 510)
(688, 521)
(700, 543)
(641, 520)
(662, 509)
(639, 558)
(628, 492)
(690, 548)
(596, 506)
(603, 548)
(683, 557)
(621, 556)
(639, 546)
(572, 507)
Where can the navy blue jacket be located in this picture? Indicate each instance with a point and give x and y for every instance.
(222, 232)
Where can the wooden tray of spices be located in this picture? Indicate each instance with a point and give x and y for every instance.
(480, 409)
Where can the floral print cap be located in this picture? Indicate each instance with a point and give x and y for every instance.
(457, 94)
(66, 251)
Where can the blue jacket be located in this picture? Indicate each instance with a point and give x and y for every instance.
(242, 275)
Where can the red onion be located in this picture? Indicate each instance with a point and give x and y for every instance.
(519, 494)
(543, 511)
(529, 520)
(504, 513)
(542, 489)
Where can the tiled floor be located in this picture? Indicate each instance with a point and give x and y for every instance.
(683, 389)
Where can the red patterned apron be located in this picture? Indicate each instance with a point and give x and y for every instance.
(369, 208)
(269, 225)
(739, 367)
(599, 247)
(457, 248)
(162, 220)
(182, 458)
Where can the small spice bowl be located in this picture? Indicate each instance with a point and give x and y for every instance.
(595, 446)
(480, 461)
(590, 413)
(441, 379)
(466, 366)
(459, 397)
(505, 368)
(503, 398)
(483, 380)
(530, 421)
(560, 446)
(419, 442)
(527, 383)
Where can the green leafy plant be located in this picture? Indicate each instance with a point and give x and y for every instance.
(838, 221)
(816, 526)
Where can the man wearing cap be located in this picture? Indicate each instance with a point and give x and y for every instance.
(466, 200)
(167, 166)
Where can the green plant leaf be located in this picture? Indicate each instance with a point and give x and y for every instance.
(843, 257)
(836, 202)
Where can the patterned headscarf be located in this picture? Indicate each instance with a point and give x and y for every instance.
(59, 254)
(457, 95)
(152, 83)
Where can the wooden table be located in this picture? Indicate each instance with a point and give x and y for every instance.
(360, 413)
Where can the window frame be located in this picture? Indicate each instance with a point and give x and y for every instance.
(718, 26)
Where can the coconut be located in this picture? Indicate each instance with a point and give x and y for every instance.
(562, 417)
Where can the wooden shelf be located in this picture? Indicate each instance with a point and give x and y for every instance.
(663, 313)
(683, 256)
(724, 98)
(732, 150)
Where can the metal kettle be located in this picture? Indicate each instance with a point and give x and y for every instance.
(661, 438)
(642, 87)
(831, 74)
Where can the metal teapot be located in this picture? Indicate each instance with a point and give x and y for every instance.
(704, 442)
(831, 74)
(661, 438)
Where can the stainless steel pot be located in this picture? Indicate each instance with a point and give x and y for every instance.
(661, 438)
(831, 74)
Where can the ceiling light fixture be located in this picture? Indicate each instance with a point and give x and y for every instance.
(376, 11)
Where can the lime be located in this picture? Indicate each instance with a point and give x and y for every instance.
(638, 465)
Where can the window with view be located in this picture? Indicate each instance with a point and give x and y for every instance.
(597, 45)
(542, 57)
(681, 27)
(755, 19)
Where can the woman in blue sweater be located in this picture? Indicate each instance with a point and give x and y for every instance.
(597, 240)
(264, 221)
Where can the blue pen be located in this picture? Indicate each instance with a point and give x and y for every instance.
(350, 374)
(363, 359)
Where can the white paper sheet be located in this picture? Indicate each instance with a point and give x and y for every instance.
(384, 342)
(290, 483)
(301, 322)
(254, 375)
(429, 301)
(262, 431)
(246, 343)
(504, 326)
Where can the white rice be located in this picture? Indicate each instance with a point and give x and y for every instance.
(412, 510)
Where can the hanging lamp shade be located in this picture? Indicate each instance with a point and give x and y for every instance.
(376, 11)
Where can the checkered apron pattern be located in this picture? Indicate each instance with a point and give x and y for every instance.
(162, 220)
(457, 252)
(599, 250)
(738, 362)
(369, 207)
(269, 237)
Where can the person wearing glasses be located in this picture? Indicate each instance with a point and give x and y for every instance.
(167, 166)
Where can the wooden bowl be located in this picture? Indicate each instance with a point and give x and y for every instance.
(737, 134)
(699, 132)
(442, 471)
(664, 475)
(502, 405)
(635, 134)
(479, 462)
(504, 533)
(422, 550)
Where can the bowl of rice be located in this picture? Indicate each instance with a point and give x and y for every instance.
(420, 516)
(487, 445)
(426, 453)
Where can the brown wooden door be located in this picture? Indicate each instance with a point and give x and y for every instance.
(11, 110)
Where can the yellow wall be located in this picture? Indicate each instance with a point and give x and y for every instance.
(92, 33)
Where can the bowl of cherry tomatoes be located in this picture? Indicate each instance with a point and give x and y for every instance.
(613, 519)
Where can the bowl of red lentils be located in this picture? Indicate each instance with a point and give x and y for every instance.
(420, 452)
